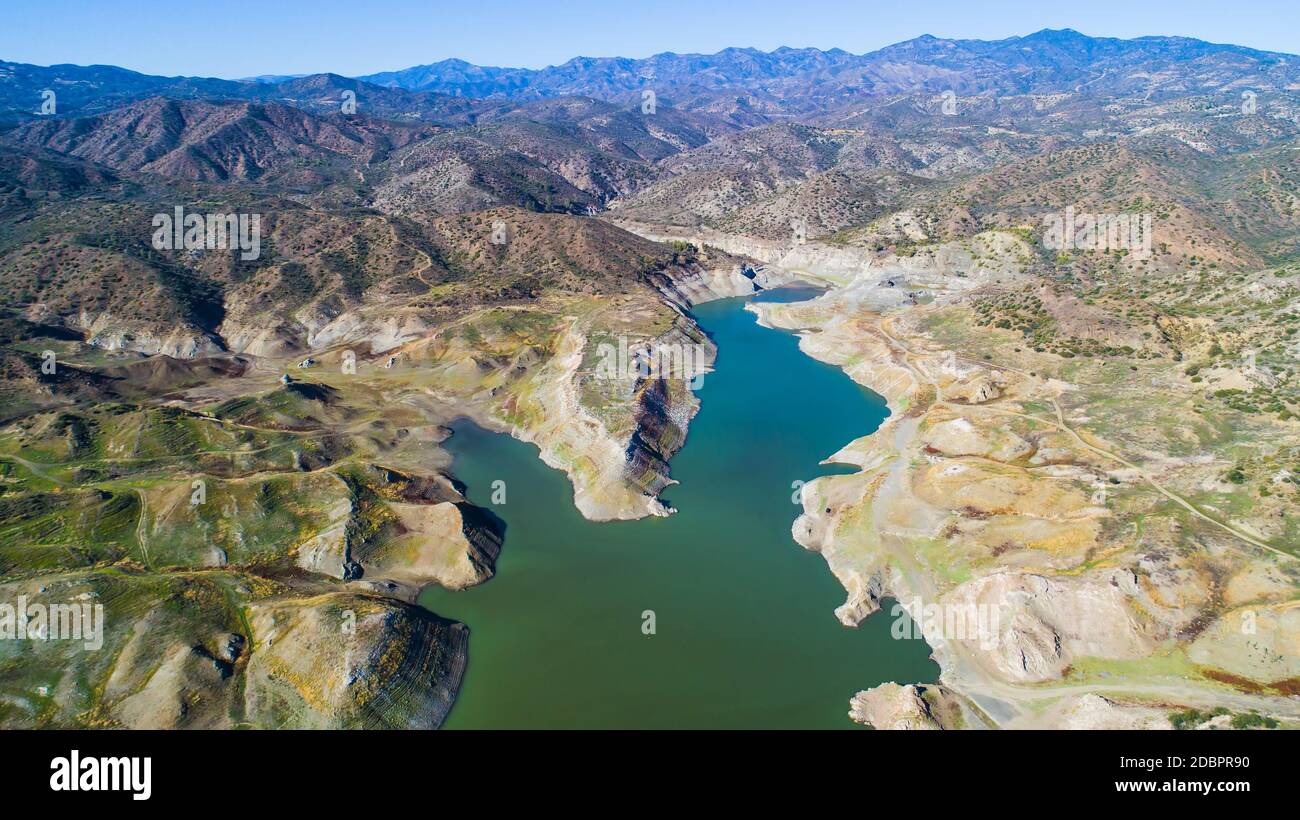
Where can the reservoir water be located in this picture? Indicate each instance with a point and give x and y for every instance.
(745, 634)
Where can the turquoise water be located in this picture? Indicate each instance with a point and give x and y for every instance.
(745, 634)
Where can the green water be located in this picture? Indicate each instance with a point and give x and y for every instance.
(745, 631)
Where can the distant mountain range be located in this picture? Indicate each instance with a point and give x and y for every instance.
(743, 83)
(1048, 60)
(739, 140)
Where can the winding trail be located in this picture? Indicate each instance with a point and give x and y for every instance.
(141, 530)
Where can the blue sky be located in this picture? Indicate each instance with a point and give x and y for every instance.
(232, 38)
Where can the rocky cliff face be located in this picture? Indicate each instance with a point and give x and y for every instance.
(614, 432)
(911, 707)
(348, 661)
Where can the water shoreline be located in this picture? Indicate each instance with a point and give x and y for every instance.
(743, 635)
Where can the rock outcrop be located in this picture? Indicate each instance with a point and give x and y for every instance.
(890, 706)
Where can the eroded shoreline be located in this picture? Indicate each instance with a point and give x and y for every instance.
(977, 492)
(745, 636)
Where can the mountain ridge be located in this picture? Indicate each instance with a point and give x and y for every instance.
(509, 81)
(781, 79)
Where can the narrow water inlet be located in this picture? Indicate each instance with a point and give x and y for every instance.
(744, 627)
